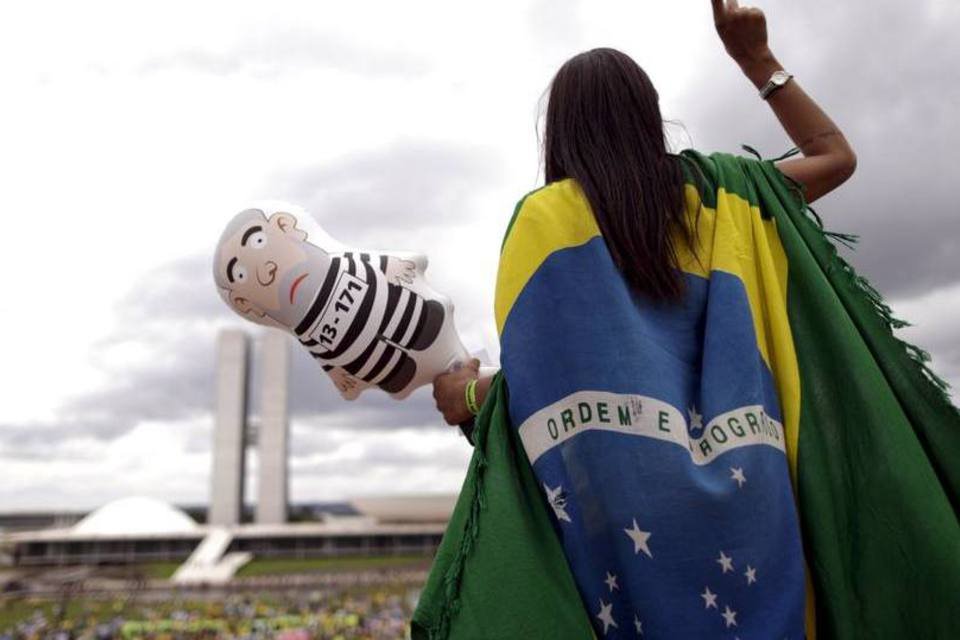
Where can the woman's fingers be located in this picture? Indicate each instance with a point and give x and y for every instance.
(717, 9)
(723, 9)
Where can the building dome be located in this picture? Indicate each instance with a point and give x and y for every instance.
(135, 515)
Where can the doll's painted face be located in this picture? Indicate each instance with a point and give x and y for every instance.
(268, 268)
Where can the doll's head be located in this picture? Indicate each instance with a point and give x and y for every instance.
(265, 268)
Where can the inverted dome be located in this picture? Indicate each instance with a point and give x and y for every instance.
(135, 515)
(407, 508)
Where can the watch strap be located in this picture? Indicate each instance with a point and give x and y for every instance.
(773, 84)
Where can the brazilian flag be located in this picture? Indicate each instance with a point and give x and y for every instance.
(837, 470)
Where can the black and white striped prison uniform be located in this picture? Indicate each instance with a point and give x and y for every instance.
(409, 322)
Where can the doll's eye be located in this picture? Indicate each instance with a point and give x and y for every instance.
(235, 271)
(258, 240)
(254, 237)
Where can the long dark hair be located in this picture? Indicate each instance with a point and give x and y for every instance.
(604, 129)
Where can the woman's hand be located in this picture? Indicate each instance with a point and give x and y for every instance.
(828, 159)
(449, 389)
(743, 31)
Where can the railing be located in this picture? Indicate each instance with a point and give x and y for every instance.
(303, 552)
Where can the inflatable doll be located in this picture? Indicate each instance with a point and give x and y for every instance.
(369, 318)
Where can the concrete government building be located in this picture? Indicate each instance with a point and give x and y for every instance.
(232, 433)
(215, 543)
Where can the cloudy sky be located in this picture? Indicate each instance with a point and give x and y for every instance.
(131, 133)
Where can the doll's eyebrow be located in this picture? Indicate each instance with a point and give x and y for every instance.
(249, 232)
(230, 264)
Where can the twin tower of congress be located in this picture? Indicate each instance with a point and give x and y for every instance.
(237, 354)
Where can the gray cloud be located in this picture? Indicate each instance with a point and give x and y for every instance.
(174, 292)
(382, 453)
(402, 187)
(935, 326)
(889, 97)
(556, 25)
(271, 54)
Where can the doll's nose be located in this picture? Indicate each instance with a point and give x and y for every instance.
(267, 273)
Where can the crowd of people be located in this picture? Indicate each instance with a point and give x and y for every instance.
(380, 613)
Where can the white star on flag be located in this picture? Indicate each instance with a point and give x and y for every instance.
(751, 574)
(557, 502)
(638, 624)
(709, 598)
(736, 473)
(696, 419)
(730, 616)
(606, 616)
(639, 538)
(725, 561)
(611, 581)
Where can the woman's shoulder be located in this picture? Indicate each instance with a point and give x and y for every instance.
(718, 170)
(699, 168)
(558, 204)
(559, 191)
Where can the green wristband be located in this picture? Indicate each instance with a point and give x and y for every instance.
(471, 397)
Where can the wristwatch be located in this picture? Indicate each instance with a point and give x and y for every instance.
(777, 80)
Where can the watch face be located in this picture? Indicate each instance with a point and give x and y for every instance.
(780, 77)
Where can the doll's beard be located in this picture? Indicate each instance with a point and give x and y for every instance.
(315, 265)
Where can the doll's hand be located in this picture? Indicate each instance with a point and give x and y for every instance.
(401, 271)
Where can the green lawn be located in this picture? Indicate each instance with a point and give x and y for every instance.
(159, 569)
(257, 567)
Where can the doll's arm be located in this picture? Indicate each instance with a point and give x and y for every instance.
(347, 384)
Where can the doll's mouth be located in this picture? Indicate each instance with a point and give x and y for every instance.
(296, 283)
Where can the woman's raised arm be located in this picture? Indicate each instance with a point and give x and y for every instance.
(828, 158)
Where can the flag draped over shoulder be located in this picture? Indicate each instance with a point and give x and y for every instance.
(765, 459)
